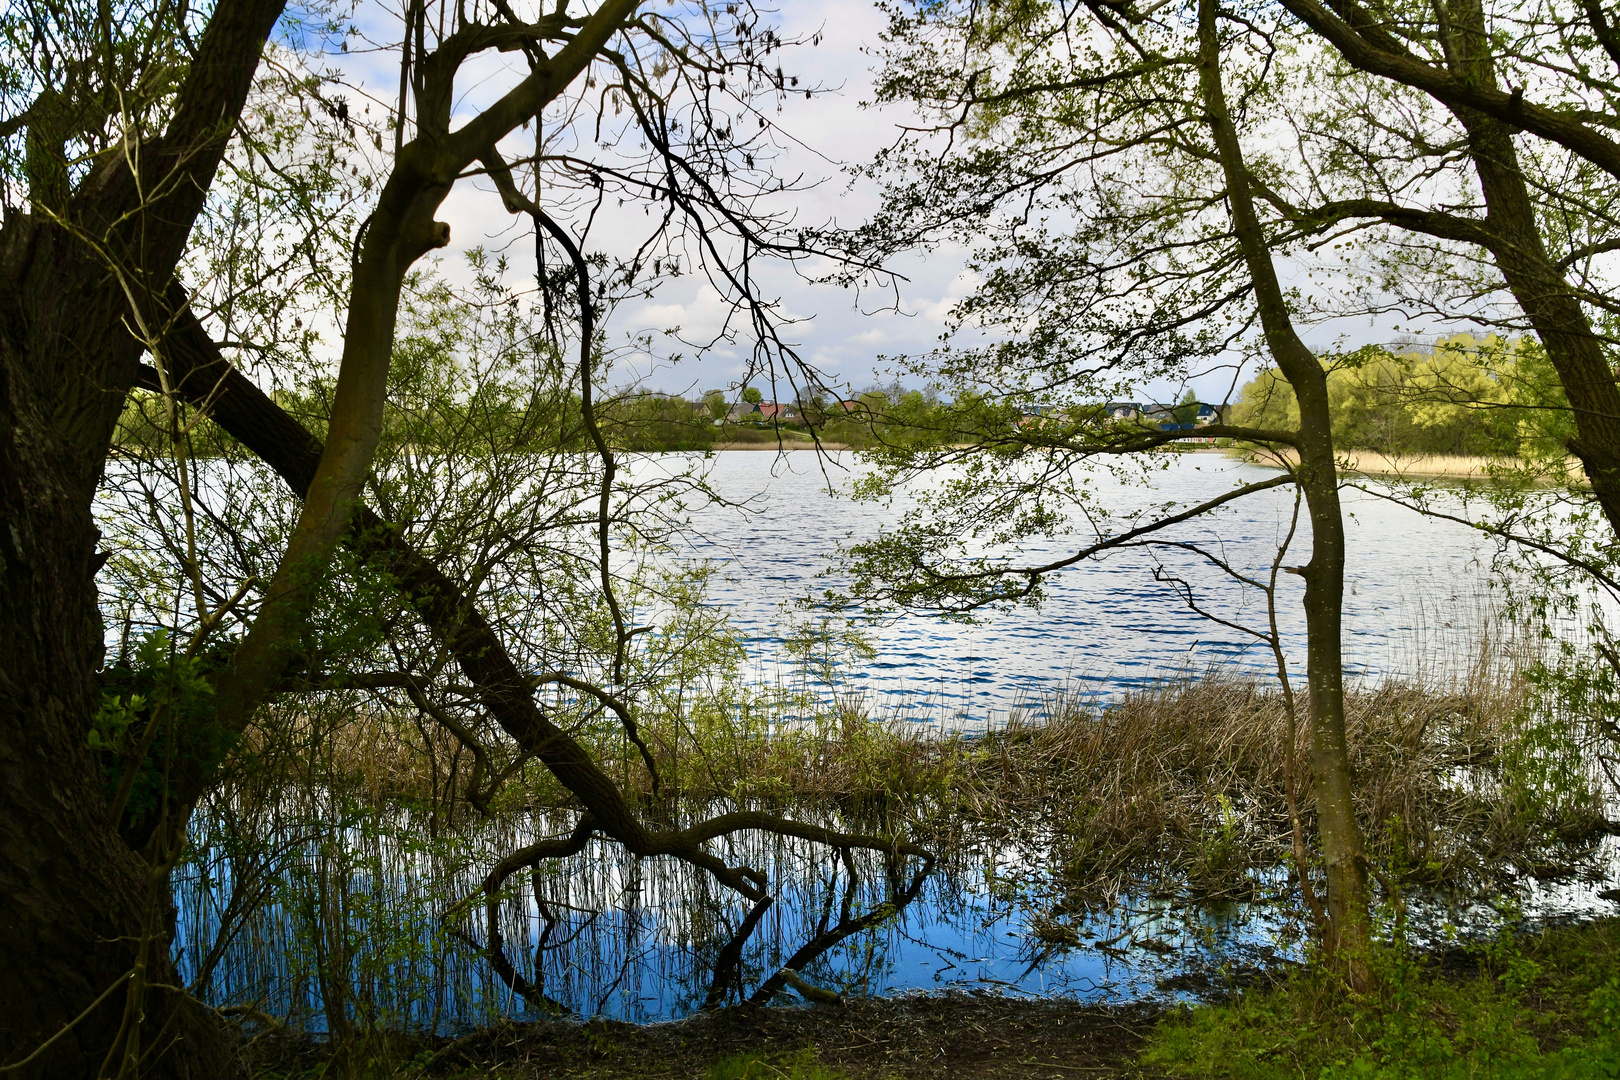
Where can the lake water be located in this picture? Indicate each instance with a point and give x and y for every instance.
(1417, 592)
(635, 940)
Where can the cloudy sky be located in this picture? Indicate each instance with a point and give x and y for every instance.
(841, 333)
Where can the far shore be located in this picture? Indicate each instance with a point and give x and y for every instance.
(785, 444)
(1437, 466)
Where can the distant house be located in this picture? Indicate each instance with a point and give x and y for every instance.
(1210, 414)
(1122, 410)
(743, 410)
(850, 405)
(770, 410)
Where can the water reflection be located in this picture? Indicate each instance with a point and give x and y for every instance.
(602, 933)
(605, 934)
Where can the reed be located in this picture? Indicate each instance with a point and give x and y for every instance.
(1180, 786)
(1438, 466)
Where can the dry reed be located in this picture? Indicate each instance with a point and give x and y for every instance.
(1176, 787)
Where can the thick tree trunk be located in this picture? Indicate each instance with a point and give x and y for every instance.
(1348, 934)
(72, 894)
(1535, 281)
(75, 900)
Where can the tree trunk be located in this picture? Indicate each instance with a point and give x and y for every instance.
(72, 893)
(1532, 277)
(1348, 933)
(74, 897)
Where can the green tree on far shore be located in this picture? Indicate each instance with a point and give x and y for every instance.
(1481, 397)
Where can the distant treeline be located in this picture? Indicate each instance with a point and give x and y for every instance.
(520, 419)
(1462, 395)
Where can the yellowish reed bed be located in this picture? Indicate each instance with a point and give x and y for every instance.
(1437, 466)
(1181, 786)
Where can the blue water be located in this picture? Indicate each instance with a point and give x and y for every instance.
(1417, 597)
(634, 940)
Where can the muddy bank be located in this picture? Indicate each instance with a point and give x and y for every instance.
(909, 1037)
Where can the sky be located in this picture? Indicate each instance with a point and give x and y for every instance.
(839, 332)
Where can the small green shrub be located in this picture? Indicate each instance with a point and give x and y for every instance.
(1546, 1006)
(799, 1066)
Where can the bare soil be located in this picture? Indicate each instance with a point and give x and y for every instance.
(984, 1037)
(914, 1037)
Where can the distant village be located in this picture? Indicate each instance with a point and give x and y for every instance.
(722, 410)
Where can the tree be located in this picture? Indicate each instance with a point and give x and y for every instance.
(1117, 237)
(1187, 408)
(1490, 171)
(123, 119)
(120, 145)
(1487, 398)
(752, 395)
(1505, 116)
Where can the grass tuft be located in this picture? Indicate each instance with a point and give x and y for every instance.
(799, 1066)
(1547, 1005)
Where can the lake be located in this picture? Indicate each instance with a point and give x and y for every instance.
(1417, 597)
(635, 939)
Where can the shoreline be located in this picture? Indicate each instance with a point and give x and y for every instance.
(1246, 1021)
(783, 445)
(1428, 466)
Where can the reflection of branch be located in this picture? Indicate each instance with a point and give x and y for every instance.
(725, 965)
(248, 415)
(493, 948)
(847, 927)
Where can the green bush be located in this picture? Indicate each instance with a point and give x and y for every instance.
(1542, 1006)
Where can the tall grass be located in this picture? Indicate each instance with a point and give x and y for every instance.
(1463, 782)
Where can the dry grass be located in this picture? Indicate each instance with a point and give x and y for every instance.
(1456, 466)
(1181, 786)
(1439, 466)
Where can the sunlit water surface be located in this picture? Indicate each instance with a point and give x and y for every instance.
(1417, 594)
(637, 940)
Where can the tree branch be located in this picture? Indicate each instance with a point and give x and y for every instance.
(1355, 33)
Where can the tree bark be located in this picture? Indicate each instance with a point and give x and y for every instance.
(1532, 277)
(1348, 934)
(72, 893)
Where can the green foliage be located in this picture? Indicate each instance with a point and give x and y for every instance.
(156, 711)
(752, 395)
(1547, 766)
(647, 423)
(1464, 395)
(1543, 1006)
